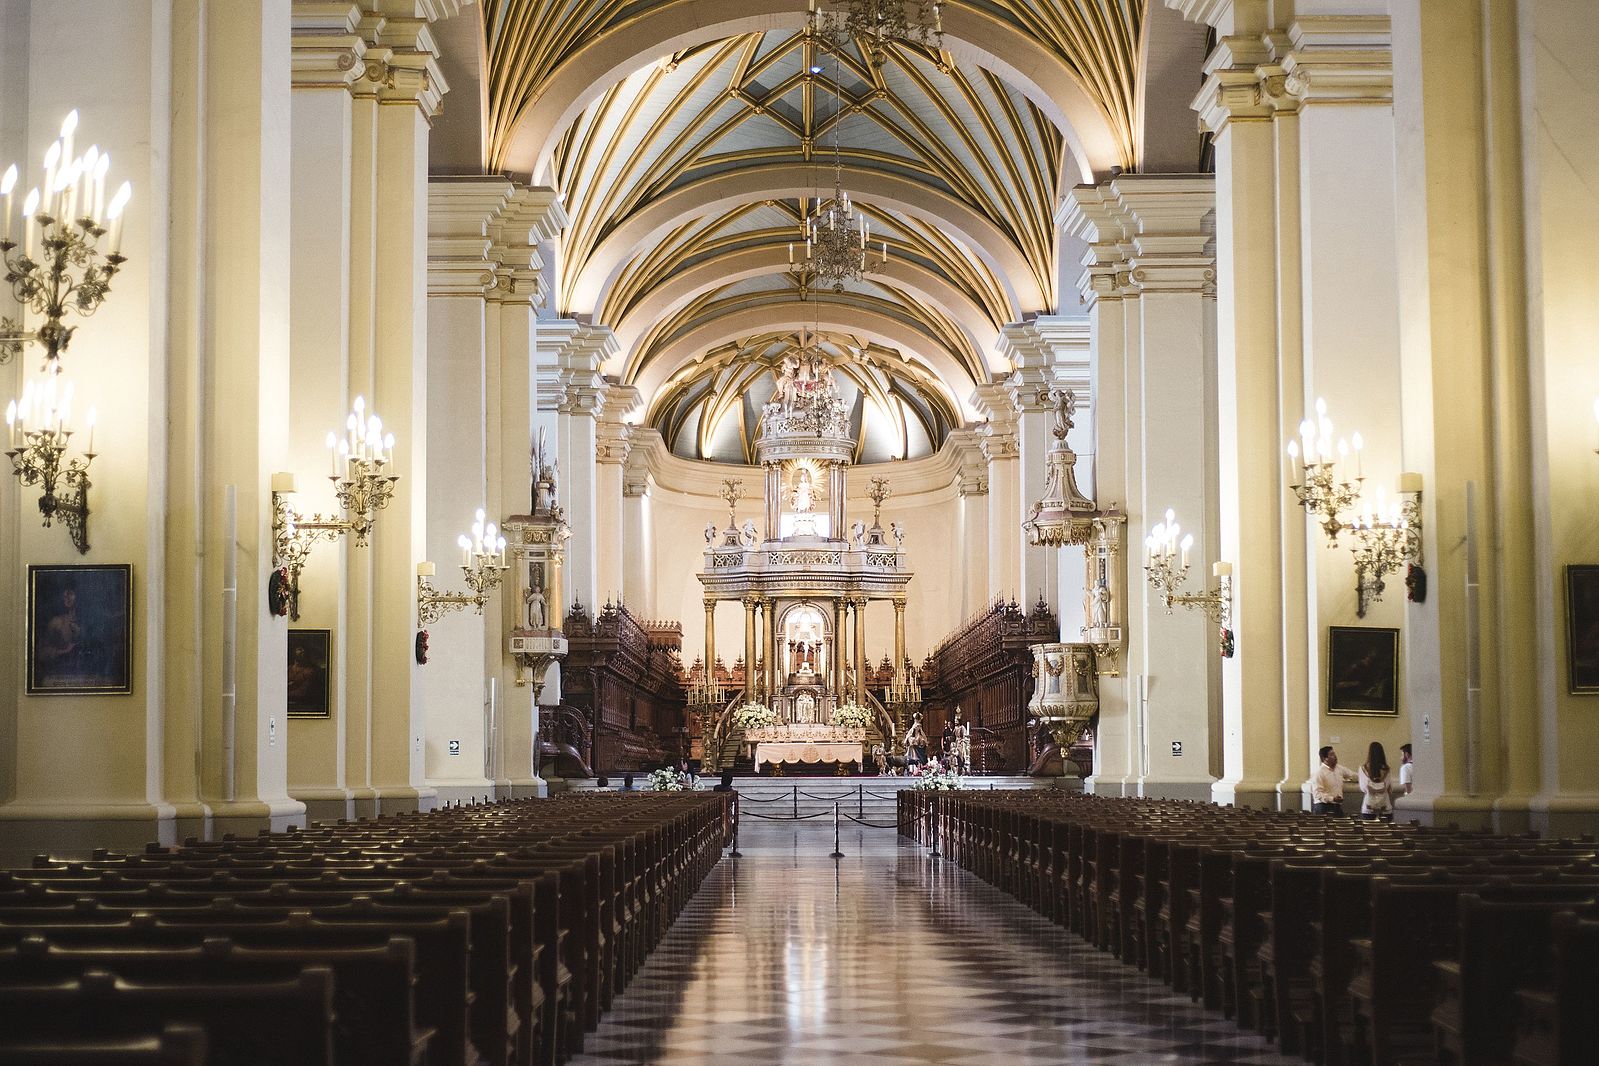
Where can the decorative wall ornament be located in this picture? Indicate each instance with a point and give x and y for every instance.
(1166, 564)
(482, 564)
(39, 433)
(358, 460)
(61, 266)
(537, 544)
(1321, 491)
(1063, 515)
(1105, 601)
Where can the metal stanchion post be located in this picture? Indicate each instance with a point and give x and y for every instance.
(837, 851)
(860, 801)
(736, 820)
(932, 817)
(796, 801)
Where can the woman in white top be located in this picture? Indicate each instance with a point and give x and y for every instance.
(1377, 801)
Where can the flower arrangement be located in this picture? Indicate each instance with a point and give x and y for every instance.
(852, 716)
(933, 777)
(668, 780)
(754, 716)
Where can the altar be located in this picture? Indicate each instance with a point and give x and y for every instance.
(792, 752)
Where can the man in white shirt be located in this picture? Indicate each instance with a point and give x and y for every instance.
(1327, 784)
(1407, 770)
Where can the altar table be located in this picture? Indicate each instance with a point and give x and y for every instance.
(809, 751)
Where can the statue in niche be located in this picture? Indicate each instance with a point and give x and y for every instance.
(537, 614)
(803, 495)
(1100, 611)
(747, 535)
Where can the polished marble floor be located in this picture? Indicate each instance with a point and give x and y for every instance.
(884, 956)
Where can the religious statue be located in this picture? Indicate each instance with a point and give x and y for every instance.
(857, 533)
(536, 614)
(802, 491)
(899, 533)
(747, 535)
(784, 393)
(915, 743)
(1064, 401)
(545, 471)
(1100, 612)
(963, 746)
(710, 533)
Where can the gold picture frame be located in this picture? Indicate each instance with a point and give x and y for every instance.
(80, 630)
(1363, 671)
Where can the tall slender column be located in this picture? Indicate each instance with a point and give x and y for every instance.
(749, 647)
(610, 454)
(461, 217)
(774, 656)
(972, 545)
(998, 439)
(532, 216)
(839, 646)
(860, 649)
(575, 353)
(638, 521)
(1250, 433)
(327, 51)
(710, 643)
(899, 636)
(1028, 389)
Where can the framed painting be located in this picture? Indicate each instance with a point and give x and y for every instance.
(1362, 670)
(80, 630)
(1582, 630)
(310, 673)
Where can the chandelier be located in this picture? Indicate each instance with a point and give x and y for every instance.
(1386, 538)
(878, 22)
(38, 434)
(357, 464)
(57, 263)
(837, 238)
(483, 565)
(1317, 485)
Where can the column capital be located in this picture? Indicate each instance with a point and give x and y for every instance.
(461, 213)
(1345, 59)
(326, 48)
(574, 352)
(998, 434)
(1148, 232)
(403, 69)
(613, 435)
(637, 477)
(971, 476)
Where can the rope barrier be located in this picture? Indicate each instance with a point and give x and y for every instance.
(785, 817)
(871, 825)
(825, 799)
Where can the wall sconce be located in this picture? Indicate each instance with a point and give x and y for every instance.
(60, 266)
(1385, 539)
(360, 485)
(1316, 482)
(483, 564)
(38, 432)
(1166, 565)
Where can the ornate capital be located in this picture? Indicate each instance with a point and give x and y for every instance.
(1344, 59)
(327, 50)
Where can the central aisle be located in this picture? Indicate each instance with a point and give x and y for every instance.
(884, 956)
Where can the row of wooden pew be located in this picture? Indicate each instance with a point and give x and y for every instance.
(1345, 941)
(482, 934)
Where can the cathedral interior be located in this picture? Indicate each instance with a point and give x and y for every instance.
(515, 475)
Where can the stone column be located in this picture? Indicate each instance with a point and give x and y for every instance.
(750, 603)
(972, 541)
(1238, 113)
(859, 604)
(899, 636)
(531, 216)
(410, 88)
(610, 453)
(576, 353)
(710, 644)
(999, 444)
(839, 646)
(1028, 390)
(327, 55)
(452, 688)
(774, 655)
(638, 522)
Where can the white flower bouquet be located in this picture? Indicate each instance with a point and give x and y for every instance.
(667, 780)
(934, 778)
(754, 716)
(852, 716)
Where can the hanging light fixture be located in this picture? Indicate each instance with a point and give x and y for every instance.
(62, 257)
(836, 237)
(38, 434)
(876, 23)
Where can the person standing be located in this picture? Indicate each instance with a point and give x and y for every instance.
(1407, 770)
(1327, 784)
(1376, 797)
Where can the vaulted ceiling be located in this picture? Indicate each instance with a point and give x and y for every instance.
(688, 138)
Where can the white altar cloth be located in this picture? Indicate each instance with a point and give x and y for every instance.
(808, 751)
(825, 734)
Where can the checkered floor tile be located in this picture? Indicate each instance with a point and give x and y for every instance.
(884, 956)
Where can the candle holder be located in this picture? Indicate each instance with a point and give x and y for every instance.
(1385, 540)
(483, 566)
(39, 456)
(1320, 491)
(1167, 569)
(58, 266)
(360, 486)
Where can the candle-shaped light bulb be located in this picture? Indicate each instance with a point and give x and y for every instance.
(388, 446)
(1293, 450)
(114, 215)
(359, 406)
(466, 549)
(69, 126)
(90, 421)
(1171, 516)
(8, 184)
(1321, 407)
(52, 156)
(1188, 543)
(100, 169)
(8, 180)
(11, 424)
